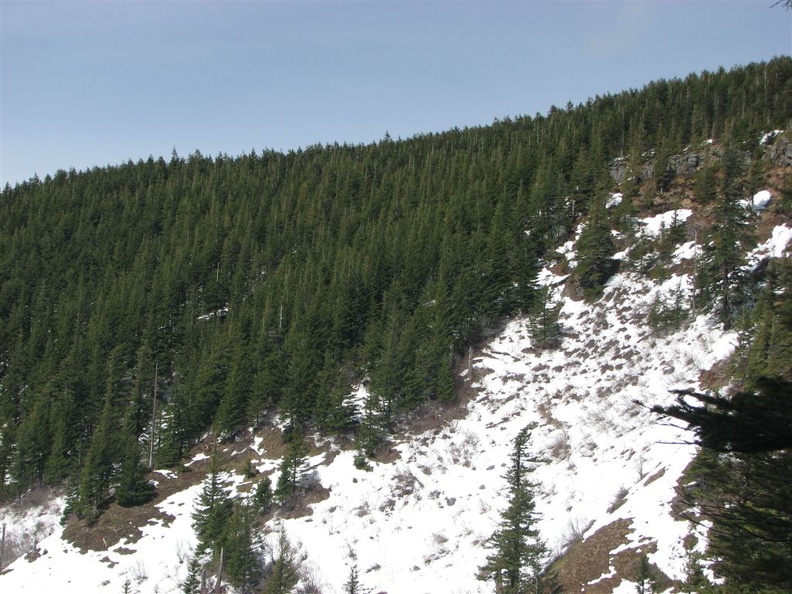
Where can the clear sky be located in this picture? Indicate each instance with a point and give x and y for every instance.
(86, 83)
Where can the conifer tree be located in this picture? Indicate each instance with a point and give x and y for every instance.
(262, 498)
(132, 488)
(353, 585)
(242, 550)
(212, 510)
(285, 565)
(97, 471)
(740, 481)
(515, 565)
(292, 468)
(192, 583)
(723, 280)
(594, 250)
(543, 320)
(231, 414)
(645, 576)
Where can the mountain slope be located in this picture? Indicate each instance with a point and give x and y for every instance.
(416, 523)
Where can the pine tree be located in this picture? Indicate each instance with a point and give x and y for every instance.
(645, 576)
(723, 280)
(262, 498)
(292, 468)
(284, 572)
(594, 250)
(213, 509)
(192, 583)
(243, 560)
(353, 585)
(740, 481)
(97, 471)
(133, 488)
(543, 320)
(518, 551)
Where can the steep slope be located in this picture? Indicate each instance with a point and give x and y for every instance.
(417, 522)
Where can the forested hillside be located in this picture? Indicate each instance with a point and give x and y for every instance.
(144, 304)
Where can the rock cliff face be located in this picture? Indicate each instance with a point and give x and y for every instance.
(777, 147)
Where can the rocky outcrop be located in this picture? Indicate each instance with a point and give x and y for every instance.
(779, 150)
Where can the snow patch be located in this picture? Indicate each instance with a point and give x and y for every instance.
(653, 226)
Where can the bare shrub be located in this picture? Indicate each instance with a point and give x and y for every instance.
(618, 500)
(574, 532)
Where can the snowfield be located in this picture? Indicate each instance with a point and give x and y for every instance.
(416, 525)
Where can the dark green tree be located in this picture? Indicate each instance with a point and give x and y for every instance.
(740, 481)
(645, 576)
(543, 319)
(132, 488)
(595, 248)
(518, 557)
(723, 283)
(242, 550)
(212, 510)
(284, 572)
(97, 471)
(292, 469)
(192, 583)
(263, 496)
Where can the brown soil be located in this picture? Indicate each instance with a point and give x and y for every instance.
(588, 560)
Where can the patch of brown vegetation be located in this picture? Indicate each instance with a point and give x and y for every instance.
(586, 561)
(116, 524)
(300, 507)
(435, 415)
(716, 376)
(654, 477)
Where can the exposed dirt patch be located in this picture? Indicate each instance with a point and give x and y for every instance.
(590, 568)
(587, 560)
(301, 506)
(655, 476)
(715, 377)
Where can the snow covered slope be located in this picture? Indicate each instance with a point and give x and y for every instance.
(416, 524)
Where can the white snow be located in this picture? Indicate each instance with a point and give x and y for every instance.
(653, 226)
(758, 202)
(768, 138)
(776, 246)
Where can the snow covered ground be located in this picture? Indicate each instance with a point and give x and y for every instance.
(416, 525)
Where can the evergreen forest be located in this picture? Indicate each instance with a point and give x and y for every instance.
(146, 304)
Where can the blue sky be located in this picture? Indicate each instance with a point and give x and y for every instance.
(87, 83)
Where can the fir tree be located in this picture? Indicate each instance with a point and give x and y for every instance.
(518, 551)
(133, 488)
(292, 468)
(543, 320)
(262, 498)
(645, 576)
(285, 566)
(594, 250)
(723, 280)
(243, 550)
(192, 583)
(740, 481)
(353, 585)
(213, 509)
(97, 471)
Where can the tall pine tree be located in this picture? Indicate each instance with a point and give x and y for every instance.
(518, 557)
